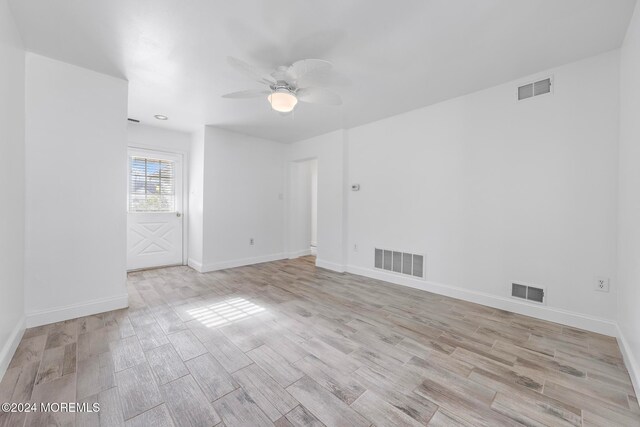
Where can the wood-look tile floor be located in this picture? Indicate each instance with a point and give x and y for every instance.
(287, 344)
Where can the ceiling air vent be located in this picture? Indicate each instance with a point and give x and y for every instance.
(534, 89)
(399, 262)
(527, 292)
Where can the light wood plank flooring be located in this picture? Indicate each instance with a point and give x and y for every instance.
(287, 344)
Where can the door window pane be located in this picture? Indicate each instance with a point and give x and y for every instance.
(151, 185)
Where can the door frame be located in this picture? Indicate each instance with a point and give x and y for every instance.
(291, 172)
(184, 157)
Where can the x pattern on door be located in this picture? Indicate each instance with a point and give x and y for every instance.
(151, 238)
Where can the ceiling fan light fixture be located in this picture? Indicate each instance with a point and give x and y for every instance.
(282, 100)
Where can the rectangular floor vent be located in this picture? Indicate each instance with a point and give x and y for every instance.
(529, 293)
(399, 262)
(534, 89)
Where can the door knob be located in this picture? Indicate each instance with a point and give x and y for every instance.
(178, 214)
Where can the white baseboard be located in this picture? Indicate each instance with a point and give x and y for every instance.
(557, 315)
(298, 254)
(72, 311)
(239, 262)
(195, 265)
(330, 265)
(629, 360)
(9, 347)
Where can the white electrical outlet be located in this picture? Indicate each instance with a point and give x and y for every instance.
(251, 242)
(355, 247)
(602, 284)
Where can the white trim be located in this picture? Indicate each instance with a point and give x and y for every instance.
(557, 315)
(72, 311)
(204, 268)
(629, 360)
(195, 265)
(9, 348)
(330, 265)
(298, 254)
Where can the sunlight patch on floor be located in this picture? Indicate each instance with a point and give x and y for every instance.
(225, 312)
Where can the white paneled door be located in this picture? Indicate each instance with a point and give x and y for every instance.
(154, 203)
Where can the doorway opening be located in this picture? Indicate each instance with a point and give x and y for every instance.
(303, 231)
(154, 209)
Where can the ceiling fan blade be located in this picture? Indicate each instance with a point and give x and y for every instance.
(316, 95)
(244, 94)
(323, 77)
(255, 73)
(305, 66)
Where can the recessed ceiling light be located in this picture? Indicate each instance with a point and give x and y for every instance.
(161, 117)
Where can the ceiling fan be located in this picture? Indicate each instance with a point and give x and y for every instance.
(286, 85)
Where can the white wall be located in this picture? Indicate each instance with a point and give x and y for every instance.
(629, 199)
(493, 191)
(11, 186)
(328, 149)
(196, 200)
(156, 138)
(242, 187)
(76, 176)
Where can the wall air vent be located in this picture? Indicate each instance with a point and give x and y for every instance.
(399, 262)
(530, 90)
(528, 292)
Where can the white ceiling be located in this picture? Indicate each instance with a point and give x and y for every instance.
(393, 56)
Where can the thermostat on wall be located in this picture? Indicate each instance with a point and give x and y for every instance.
(355, 187)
